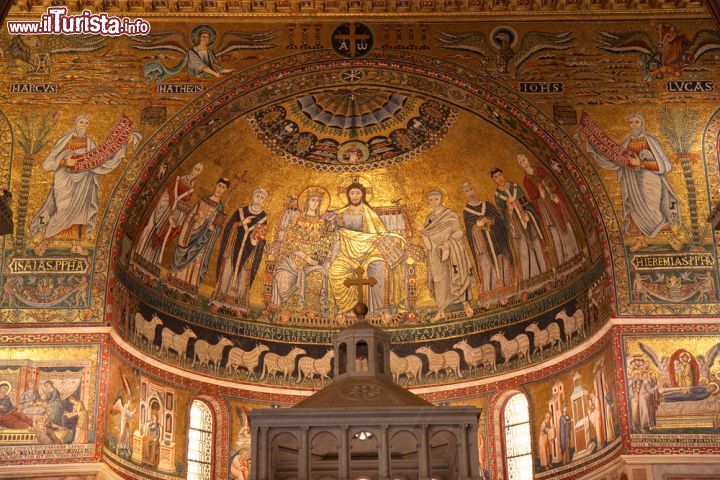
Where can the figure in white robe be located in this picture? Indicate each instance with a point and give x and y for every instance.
(449, 267)
(71, 207)
(649, 203)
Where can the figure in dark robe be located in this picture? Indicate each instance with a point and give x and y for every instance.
(7, 227)
(54, 408)
(565, 432)
(486, 232)
(241, 250)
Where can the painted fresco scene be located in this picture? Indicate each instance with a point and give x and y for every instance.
(48, 404)
(575, 417)
(672, 386)
(147, 421)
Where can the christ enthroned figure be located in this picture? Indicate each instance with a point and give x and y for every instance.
(361, 243)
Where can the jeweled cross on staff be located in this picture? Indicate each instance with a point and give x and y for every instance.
(360, 282)
(352, 37)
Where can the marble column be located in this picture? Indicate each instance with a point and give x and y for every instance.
(463, 453)
(344, 454)
(304, 454)
(424, 454)
(384, 454)
(263, 454)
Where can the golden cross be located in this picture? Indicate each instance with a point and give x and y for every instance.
(352, 36)
(360, 282)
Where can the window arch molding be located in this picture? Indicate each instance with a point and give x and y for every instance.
(498, 440)
(220, 449)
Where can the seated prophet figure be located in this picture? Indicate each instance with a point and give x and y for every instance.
(300, 276)
(449, 268)
(365, 242)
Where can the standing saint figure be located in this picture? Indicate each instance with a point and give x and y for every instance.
(550, 203)
(487, 235)
(565, 435)
(449, 272)
(71, 207)
(241, 250)
(300, 275)
(365, 242)
(151, 441)
(684, 371)
(545, 438)
(609, 417)
(648, 401)
(197, 238)
(523, 226)
(80, 414)
(162, 225)
(649, 203)
(123, 447)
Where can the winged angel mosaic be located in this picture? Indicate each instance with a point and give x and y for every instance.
(670, 54)
(199, 59)
(500, 48)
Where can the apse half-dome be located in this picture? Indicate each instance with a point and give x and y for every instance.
(471, 250)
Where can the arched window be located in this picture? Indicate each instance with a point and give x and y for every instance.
(200, 442)
(516, 432)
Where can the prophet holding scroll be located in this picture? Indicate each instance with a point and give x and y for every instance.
(365, 242)
(70, 208)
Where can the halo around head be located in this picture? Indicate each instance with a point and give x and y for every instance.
(9, 385)
(311, 192)
(342, 187)
(197, 31)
